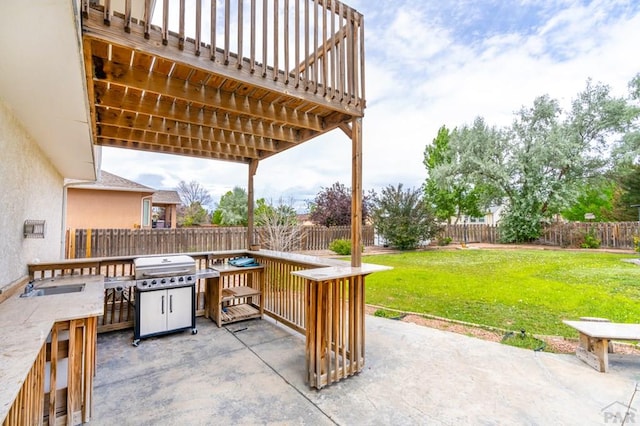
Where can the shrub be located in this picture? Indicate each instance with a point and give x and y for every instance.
(444, 241)
(590, 240)
(341, 246)
(403, 218)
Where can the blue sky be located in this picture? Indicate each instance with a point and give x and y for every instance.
(431, 63)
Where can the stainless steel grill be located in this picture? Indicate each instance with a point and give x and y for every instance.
(164, 271)
(165, 295)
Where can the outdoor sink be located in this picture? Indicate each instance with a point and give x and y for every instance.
(56, 289)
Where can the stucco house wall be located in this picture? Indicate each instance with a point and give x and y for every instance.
(88, 208)
(32, 189)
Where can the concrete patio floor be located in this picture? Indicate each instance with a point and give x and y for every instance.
(252, 372)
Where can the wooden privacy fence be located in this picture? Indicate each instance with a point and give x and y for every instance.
(617, 235)
(471, 233)
(319, 237)
(81, 243)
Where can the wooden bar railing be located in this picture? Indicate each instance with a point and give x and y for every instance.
(335, 345)
(324, 54)
(283, 299)
(29, 404)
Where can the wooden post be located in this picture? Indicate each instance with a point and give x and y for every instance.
(253, 167)
(356, 192)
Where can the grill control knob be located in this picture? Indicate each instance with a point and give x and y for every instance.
(189, 278)
(144, 283)
(173, 280)
(153, 282)
(162, 281)
(181, 279)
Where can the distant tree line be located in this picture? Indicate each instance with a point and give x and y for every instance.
(548, 163)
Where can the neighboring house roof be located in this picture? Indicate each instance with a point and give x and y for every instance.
(305, 219)
(166, 197)
(110, 182)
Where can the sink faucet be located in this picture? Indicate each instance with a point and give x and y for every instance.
(28, 289)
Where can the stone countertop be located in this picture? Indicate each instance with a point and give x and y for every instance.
(25, 324)
(335, 272)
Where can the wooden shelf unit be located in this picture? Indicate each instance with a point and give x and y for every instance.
(236, 295)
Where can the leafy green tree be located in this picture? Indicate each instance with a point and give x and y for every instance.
(451, 197)
(332, 206)
(629, 194)
(233, 209)
(629, 148)
(537, 164)
(194, 215)
(402, 217)
(595, 197)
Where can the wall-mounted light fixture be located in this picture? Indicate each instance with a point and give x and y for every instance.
(34, 228)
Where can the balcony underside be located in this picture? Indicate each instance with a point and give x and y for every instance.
(154, 95)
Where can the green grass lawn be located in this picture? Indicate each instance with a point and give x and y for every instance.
(509, 289)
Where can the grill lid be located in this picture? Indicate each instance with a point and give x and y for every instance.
(159, 266)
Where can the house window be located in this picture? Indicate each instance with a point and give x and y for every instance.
(146, 212)
(476, 220)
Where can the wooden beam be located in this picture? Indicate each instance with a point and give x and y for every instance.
(168, 149)
(217, 142)
(193, 114)
(346, 128)
(253, 168)
(356, 193)
(179, 89)
(158, 125)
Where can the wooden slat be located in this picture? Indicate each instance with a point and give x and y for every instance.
(127, 16)
(316, 43)
(306, 45)
(297, 40)
(239, 48)
(181, 25)
(198, 40)
(265, 37)
(287, 65)
(212, 34)
(252, 47)
(147, 19)
(227, 31)
(165, 22)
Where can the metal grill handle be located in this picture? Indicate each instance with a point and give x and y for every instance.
(164, 274)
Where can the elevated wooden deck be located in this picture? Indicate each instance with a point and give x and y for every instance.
(236, 81)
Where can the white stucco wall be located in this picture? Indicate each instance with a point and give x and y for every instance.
(30, 188)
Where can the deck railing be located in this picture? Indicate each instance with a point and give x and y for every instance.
(283, 292)
(312, 45)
